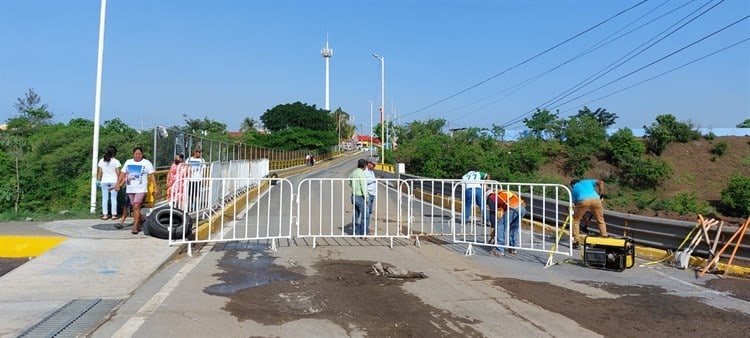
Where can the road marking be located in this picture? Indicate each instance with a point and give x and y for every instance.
(148, 309)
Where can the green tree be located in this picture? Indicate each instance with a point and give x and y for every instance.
(744, 124)
(583, 137)
(391, 130)
(498, 132)
(298, 114)
(624, 147)
(421, 147)
(204, 127)
(15, 146)
(297, 138)
(601, 115)
(341, 119)
(32, 109)
(248, 124)
(117, 126)
(525, 156)
(32, 116)
(542, 122)
(667, 129)
(418, 129)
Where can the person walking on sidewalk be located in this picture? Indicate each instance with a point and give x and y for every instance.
(472, 183)
(587, 196)
(107, 175)
(175, 181)
(136, 175)
(358, 183)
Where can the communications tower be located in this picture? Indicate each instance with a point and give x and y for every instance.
(327, 53)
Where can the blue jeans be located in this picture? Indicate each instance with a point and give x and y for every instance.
(471, 196)
(360, 215)
(368, 218)
(511, 219)
(110, 195)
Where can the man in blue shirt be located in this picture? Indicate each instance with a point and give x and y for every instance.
(587, 196)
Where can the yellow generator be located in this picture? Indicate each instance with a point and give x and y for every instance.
(608, 253)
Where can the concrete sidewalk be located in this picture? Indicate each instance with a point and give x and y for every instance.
(96, 261)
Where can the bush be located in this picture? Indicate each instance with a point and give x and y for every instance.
(735, 198)
(665, 130)
(645, 173)
(644, 200)
(720, 148)
(683, 203)
(688, 203)
(624, 147)
(527, 155)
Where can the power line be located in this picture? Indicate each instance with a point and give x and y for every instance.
(601, 43)
(525, 61)
(658, 60)
(661, 74)
(617, 63)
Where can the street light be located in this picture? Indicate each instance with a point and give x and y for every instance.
(370, 143)
(97, 104)
(382, 103)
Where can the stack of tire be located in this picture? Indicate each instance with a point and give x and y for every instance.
(158, 222)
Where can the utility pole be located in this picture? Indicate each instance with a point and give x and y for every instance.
(370, 143)
(97, 104)
(382, 104)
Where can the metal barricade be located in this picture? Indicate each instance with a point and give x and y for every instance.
(440, 205)
(267, 208)
(326, 209)
(248, 209)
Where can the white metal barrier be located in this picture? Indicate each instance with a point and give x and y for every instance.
(440, 209)
(326, 209)
(262, 212)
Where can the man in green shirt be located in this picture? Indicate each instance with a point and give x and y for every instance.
(358, 183)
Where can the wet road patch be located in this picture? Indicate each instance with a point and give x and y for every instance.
(637, 311)
(341, 291)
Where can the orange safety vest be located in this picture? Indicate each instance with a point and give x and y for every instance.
(505, 200)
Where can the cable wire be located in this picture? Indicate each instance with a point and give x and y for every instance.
(616, 64)
(526, 61)
(661, 74)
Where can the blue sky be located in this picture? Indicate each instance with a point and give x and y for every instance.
(469, 62)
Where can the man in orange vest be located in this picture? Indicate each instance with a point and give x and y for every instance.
(510, 208)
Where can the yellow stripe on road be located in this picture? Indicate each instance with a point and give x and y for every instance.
(27, 246)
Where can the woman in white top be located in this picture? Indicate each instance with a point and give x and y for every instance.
(106, 179)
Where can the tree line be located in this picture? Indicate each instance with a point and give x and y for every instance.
(45, 167)
(574, 142)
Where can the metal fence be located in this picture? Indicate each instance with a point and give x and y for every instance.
(170, 142)
(654, 232)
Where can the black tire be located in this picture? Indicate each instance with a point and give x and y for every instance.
(157, 223)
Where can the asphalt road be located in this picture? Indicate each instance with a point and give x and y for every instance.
(240, 289)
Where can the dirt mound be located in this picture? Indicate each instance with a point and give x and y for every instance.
(695, 168)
